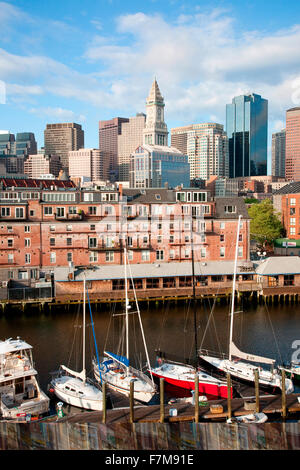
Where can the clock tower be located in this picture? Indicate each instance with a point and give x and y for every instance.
(155, 131)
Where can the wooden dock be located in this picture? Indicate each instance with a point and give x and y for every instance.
(271, 405)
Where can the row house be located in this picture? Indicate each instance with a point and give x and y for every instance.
(57, 226)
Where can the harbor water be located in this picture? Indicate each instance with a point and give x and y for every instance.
(271, 331)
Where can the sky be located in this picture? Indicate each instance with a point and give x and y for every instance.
(74, 61)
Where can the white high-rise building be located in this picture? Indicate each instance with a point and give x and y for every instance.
(206, 145)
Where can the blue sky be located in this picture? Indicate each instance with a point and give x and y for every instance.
(74, 61)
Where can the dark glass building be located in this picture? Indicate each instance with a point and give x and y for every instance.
(247, 131)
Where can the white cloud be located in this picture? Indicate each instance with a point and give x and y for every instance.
(58, 113)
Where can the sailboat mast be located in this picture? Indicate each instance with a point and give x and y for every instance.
(233, 285)
(83, 330)
(194, 294)
(126, 306)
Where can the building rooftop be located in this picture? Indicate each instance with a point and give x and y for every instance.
(152, 270)
(291, 188)
(6, 183)
(274, 266)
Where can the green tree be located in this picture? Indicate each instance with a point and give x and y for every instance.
(265, 225)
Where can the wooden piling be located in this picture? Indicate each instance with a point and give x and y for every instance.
(229, 409)
(104, 403)
(162, 396)
(131, 401)
(196, 398)
(283, 394)
(256, 375)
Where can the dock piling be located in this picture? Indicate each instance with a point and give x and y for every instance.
(196, 398)
(104, 403)
(256, 375)
(131, 401)
(162, 405)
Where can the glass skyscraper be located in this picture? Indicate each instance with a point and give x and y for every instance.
(247, 130)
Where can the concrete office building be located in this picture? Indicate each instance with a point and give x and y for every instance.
(129, 139)
(247, 131)
(86, 163)
(40, 164)
(206, 145)
(292, 155)
(108, 144)
(60, 139)
(278, 153)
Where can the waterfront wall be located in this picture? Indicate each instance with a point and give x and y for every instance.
(149, 436)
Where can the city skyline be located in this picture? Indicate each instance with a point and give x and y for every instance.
(85, 63)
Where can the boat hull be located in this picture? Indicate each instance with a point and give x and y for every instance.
(82, 396)
(205, 388)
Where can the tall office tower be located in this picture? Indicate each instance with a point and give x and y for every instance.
(40, 164)
(278, 153)
(7, 143)
(129, 139)
(155, 131)
(25, 144)
(292, 148)
(206, 146)
(108, 144)
(62, 138)
(87, 163)
(247, 130)
(11, 165)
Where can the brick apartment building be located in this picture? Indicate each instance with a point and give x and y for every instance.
(46, 224)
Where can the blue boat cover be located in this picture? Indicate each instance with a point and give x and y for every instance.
(121, 359)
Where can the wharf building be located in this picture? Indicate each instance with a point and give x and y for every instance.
(207, 148)
(278, 153)
(62, 138)
(247, 131)
(286, 202)
(292, 156)
(46, 224)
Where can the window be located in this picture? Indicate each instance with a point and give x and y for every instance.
(69, 257)
(52, 241)
(5, 211)
(10, 258)
(48, 210)
(160, 255)
(52, 257)
(222, 252)
(292, 221)
(27, 242)
(9, 228)
(222, 225)
(130, 255)
(31, 213)
(92, 210)
(19, 212)
(27, 228)
(172, 254)
(92, 227)
(72, 210)
(292, 231)
(93, 257)
(69, 228)
(109, 256)
(293, 201)
(60, 212)
(10, 242)
(69, 241)
(222, 237)
(52, 228)
(92, 242)
(27, 258)
(230, 209)
(240, 251)
(203, 252)
(159, 238)
(145, 255)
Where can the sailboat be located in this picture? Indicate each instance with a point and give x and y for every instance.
(74, 388)
(242, 368)
(115, 370)
(182, 376)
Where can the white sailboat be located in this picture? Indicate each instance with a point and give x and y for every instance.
(115, 370)
(74, 387)
(240, 369)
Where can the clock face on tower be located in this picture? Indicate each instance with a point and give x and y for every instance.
(159, 113)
